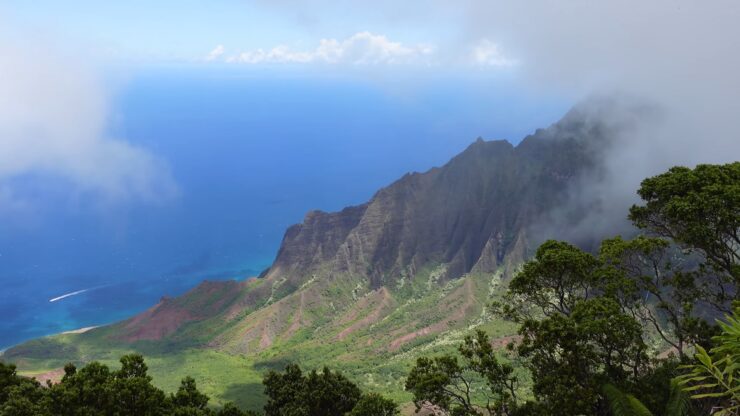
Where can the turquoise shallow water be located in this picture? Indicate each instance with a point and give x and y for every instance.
(251, 154)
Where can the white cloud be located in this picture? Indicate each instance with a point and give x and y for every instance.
(366, 48)
(488, 53)
(53, 114)
(363, 48)
(216, 53)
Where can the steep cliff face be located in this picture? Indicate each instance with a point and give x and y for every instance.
(471, 214)
(314, 242)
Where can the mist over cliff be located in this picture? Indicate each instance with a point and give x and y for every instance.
(676, 63)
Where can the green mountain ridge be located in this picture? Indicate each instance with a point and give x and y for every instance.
(363, 290)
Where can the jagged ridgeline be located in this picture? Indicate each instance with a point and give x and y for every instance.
(364, 289)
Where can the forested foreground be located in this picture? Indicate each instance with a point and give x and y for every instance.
(96, 390)
(648, 325)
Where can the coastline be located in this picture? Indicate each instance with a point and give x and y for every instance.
(142, 298)
(78, 330)
(73, 331)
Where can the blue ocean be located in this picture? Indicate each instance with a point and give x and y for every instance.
(251, 153)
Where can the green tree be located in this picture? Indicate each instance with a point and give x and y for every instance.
(552, 283)
(330, 393)
(27, 398)
(230, 409)
(95, 390)
(316, 394)
(571, 357)
(132, 391)
(697, 208)
(8, 378)
(576, 330)
(83, 392)
(188, 400)
(660, 287)
(374, 405)
(283, 389)
(449, 385)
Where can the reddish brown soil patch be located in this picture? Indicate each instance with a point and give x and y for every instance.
(297, 317)
(360, 305)
(257, 330)
(374, 316)
(465, 291)
(501, 343)
(266, 339)
(54, 376)
(204, 301)
(157, 322)
(409, 409)
(431, 329)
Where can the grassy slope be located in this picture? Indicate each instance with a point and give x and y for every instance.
(316, 334)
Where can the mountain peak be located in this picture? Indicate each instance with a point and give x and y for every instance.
(471, 214)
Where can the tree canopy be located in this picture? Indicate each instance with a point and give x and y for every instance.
(325, 393)
(96, 390)
(698, 208)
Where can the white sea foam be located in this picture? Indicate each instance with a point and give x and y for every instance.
(66, 295)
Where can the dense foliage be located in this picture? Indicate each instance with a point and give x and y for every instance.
(96, 390)
(325, 393)
(612, 333)
(625, 404)
(449, 384)
(698, 209)
(715, 376)
(315, 394)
